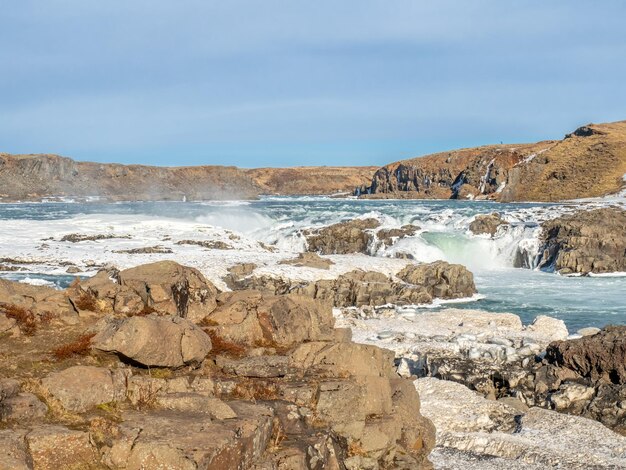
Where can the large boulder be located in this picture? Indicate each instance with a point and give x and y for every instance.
(80, 388)
(53, 447)
(154, 341)
(353, 236)
(486, 224)
(441, 279)
(585, 242)
(165, 287)
(601, 357)
(251, 319)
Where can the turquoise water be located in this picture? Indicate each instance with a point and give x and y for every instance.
(579, 302)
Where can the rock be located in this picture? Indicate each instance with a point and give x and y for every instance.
(170, 288)
(8, 388)
(183, 440)
(259, 366)
(80, 388)
(486, 224)
(441, 279)
(38, 300)
(342, 238)
(387, 237)
(545, 438)
(251, 319)
(601, 357)
(551, 329)
(310, 260)
(13, 452)
(154, 341)
(589, 331)
(585, 242)
(196, 403)
(22, 407)
(57, 447)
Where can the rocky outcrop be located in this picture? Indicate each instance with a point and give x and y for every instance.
(262, 381)
(33, 177)
(486, 224)
(585, 242)
(589, 162)
(309, 260)
(353, 236)
(497, 356)
(154, 341)
(415, 284)
(489, 434)
(598, 358)
(164, 287)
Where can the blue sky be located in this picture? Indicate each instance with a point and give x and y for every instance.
(286, 83)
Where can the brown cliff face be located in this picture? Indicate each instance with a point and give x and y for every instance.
(33, 177)
(589, 162)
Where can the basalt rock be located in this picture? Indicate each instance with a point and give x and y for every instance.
(486, 224)
(277, 387)
(154, 341)
(164, 287)
(416, 284)
(585, 242)
(353, 236)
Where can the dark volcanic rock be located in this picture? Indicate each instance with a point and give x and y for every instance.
(600, 358)
(585, 242)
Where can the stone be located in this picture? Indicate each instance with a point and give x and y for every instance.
(353, 236)
(80, 388)
(22, 407)
(588, 331)
(259, 366)
(170, 288)
(13, 452)
(154, 341)
(441, 279)
(310, 260)
(251, 319)
(601, 357)
(585, 242)
(53, 447)
(196, 403)
(552, 329)
(486, 224)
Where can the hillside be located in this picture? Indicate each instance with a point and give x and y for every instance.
(35, 177)
(589, 162)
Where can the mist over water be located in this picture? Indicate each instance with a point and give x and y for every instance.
(443, 235)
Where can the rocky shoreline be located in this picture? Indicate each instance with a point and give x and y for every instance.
(307, 363)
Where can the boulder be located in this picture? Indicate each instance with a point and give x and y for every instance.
(486, 224)
(13, 452)
(388, 236)
(441, 279)
(250, 319)
(22, 407)
(170, 288)
(585, 242)
(80, 388)
(353, 236)
(164, 287)
(309, 260)
(600, 358)
(154, 341)
(54, 447)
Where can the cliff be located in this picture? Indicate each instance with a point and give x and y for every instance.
(589, 162)
(34, 177)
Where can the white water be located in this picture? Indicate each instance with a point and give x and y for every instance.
(31, 232)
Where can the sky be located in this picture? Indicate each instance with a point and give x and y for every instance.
(288, 83)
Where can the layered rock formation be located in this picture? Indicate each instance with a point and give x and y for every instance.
(33, 177)
(589, 162)
(585, 242)
(415, 284)
(190, 378)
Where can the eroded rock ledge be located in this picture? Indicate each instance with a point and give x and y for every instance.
(152, 368)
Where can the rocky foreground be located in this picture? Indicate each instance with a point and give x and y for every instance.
(157, 369)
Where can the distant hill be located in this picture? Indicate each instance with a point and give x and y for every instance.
(36, 177)
(589, 162)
